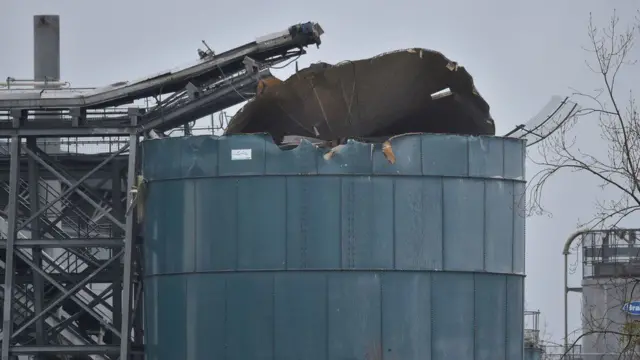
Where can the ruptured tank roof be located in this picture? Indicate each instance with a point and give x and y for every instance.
(405, 91)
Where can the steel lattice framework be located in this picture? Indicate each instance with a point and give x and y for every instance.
(70, 246)
(51, 304)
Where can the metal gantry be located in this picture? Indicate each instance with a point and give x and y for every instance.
(72, 260)
(70, 246)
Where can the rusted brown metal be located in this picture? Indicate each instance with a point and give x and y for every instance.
(379, 97)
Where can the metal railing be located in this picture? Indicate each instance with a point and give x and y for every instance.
(611, 253)
(532, 329)
(557, 352)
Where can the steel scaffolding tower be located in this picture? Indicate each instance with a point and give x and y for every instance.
(54, 251)
(70, 247)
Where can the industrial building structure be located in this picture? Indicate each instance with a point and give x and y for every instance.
(71, 257)
(610, 291)
(349, 250)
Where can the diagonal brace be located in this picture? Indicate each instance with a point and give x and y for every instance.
(69, 293)
(52, 161)
(73, 187)
(7, 320)
(66, 322)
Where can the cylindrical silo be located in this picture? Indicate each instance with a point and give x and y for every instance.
(610, 294)
(409, 250)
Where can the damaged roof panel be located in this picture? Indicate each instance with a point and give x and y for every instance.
(390, 94)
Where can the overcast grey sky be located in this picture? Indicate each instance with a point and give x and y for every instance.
(520, 53)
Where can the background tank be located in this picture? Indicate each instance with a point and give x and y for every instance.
(610, 293)
(253, 252)
(533, 347)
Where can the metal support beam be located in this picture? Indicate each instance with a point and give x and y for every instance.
(125, 339)
(46, 68)
(36, 213)
(118, 212)
(100, 298)
(74, 187)
(565, 252)
(88, 253)
(7, 310)
(24, 131)
(68, 294)
(65, 243)
(65, 350)
(38, 280)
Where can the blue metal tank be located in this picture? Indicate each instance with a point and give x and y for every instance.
(411, 252)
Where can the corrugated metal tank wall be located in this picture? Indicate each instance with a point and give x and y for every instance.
(299, 254)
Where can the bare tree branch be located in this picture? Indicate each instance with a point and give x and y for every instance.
(616, 168)
(609, 51)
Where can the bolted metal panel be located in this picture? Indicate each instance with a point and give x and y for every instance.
(247, 255)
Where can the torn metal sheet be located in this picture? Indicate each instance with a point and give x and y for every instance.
(415, 90)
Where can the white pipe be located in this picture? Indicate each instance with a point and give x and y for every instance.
(441, 94)
(21, 83)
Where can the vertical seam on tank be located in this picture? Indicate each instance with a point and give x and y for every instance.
(504, 161)
(225, 320)
(382, 312)
(506, 317)
(187, 348)
(326, 314)
(432, 276)
(194, 228)
(217, 149)
(484, 225)
(303, 224)
(273, 315)
(351, 224)
(393, 223)
(504, 176)
(522, 296)
(524, 209)
(237, 224)
(286, 222)
(264, 160)
(524, 228)
(340, 230)
(468, 157)
(475, 320)
(514, 210)
(442, 225)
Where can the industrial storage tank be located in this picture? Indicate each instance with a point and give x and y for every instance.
(411, 249)
(610, 294)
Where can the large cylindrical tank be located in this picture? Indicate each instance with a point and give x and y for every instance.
(409, 250)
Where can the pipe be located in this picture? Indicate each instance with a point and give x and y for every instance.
(45, 84)
(441, 94)
(565, 252)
